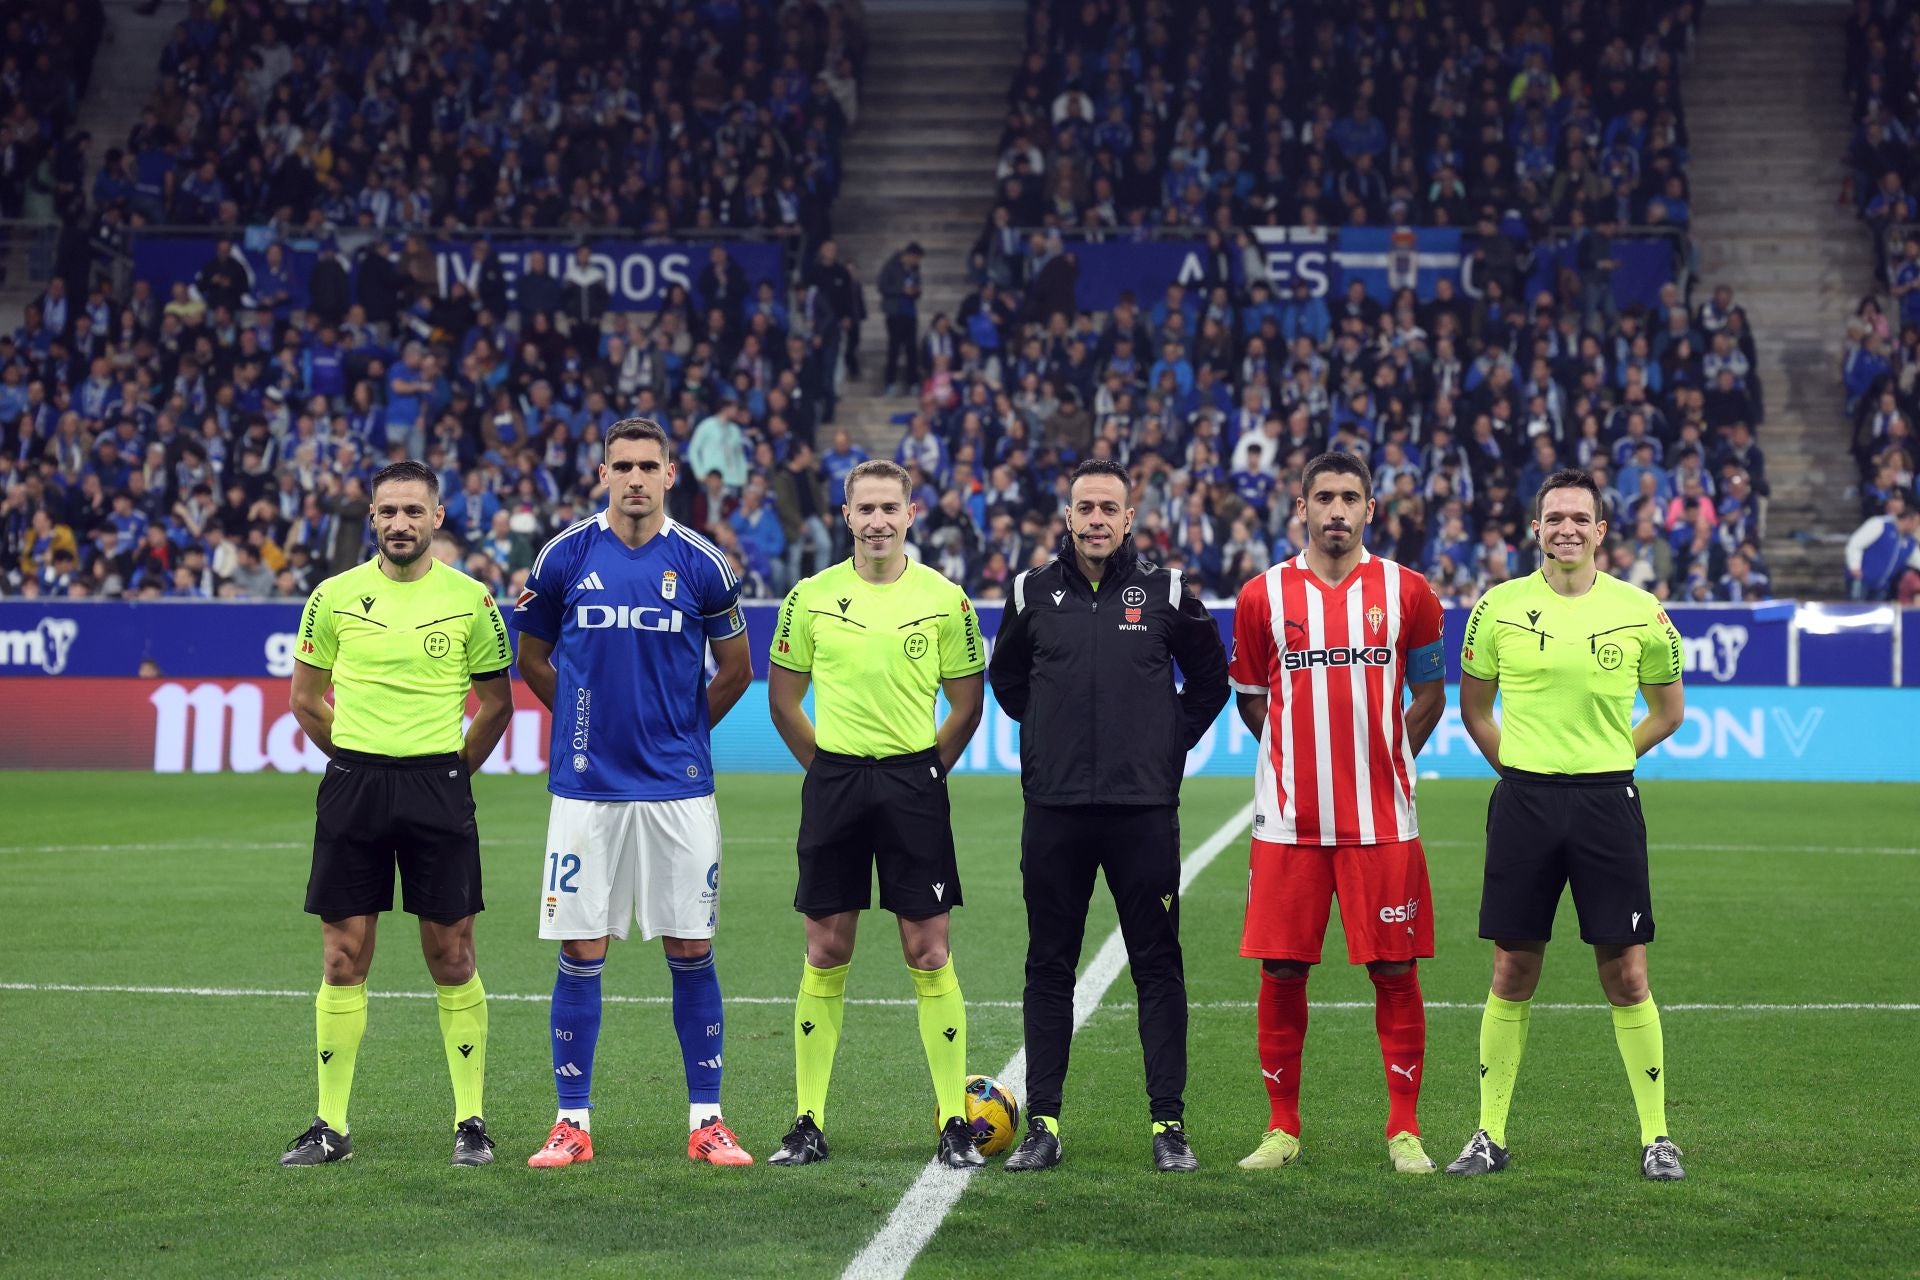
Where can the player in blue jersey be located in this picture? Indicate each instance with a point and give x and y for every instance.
(615, 624)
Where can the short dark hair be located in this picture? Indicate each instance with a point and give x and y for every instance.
(641, 429)
(404, 470)
(1340, 464)
(1570, 478)
(880, 469)
(1100, 467)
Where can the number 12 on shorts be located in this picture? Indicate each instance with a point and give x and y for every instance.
(561, 869)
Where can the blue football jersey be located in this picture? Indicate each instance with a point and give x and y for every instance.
(630, 628)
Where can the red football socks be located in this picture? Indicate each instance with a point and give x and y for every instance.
(1400, 1018)
(1283, 1030)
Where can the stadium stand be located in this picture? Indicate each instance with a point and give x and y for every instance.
(1125, 122)
(1882, 360)
(404, 117)
(1318, 115)
(47, 55)
(1883, 337)
(214, 440)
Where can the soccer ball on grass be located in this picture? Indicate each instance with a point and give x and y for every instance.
(993, 1113)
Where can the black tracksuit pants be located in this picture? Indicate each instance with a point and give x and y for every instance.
(1061, 848)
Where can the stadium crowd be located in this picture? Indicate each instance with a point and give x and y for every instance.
(47, 53)
(216, 441)
(193, 451)
(1294, 113)
(1880, 372)
(401, 117)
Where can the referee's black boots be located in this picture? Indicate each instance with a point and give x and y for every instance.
(1040, 1149)
(318, 1145)
(1171, 1151)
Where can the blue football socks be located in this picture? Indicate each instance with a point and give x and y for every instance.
(576, 1032)
(698, 1021)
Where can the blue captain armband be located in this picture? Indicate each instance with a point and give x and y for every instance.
(1425, 663)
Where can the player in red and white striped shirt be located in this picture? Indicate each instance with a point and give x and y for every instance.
(1325, 646)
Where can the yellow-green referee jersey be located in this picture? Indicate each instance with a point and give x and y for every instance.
(877, 655)
(1569, 667)
(403, 655)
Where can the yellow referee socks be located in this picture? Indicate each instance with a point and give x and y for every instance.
(943, 1032)
(463, 1026)
(340, 1019)
(1503, 1038)
(816, 1034)
(1636, 1029)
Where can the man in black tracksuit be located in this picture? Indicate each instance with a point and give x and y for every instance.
(1084, 661)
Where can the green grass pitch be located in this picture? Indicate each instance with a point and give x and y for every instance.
(138, 1131)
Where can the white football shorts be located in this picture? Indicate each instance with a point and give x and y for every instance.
(610, 862)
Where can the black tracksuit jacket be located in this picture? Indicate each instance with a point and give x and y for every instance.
(1089, 676)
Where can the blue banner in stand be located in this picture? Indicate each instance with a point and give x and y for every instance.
(1641, 267)
(1379, 257)
(639, 274)
(1385, 259)
(1144, 268)
(1722, 645)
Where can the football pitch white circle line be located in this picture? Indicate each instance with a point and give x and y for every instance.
(934, 1193)
(1116, 1006)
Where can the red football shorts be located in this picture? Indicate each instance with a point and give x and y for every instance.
(1385, 901)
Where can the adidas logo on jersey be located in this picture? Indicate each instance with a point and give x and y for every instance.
(592, 582)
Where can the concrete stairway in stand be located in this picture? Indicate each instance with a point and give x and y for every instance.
(1769, 125)
(919, 167)
(126, 71)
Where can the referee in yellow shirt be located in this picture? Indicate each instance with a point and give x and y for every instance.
(400, 639)
(1566, 649)
(879, 637)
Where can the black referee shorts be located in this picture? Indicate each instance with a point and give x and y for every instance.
(857, 813)
(376, 812)
(1546, 831)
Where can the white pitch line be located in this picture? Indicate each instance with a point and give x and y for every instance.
(1115, 1006)
(241, 846)
(1574, 1006)
(506, 997)
(934, 1193)
(1664, 846)
(218, 846)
